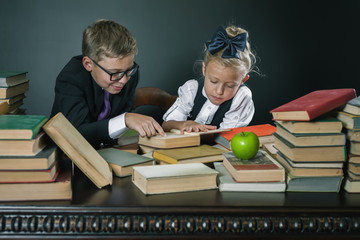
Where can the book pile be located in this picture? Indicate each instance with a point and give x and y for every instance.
(259, 174)
(349, 115)
(13, 86)
(30, 166)
(310, 143)
(181, 148)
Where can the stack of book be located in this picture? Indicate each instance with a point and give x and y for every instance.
(349, 115)
(13, 86)
(181, 148)
(30, 168)
(310, 144)
(259, 174)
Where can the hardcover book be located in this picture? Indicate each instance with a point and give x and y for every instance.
(21, 126)
(26, 147)
(314, 184)
(59, 189)
(320, 125)
(172, 140)
(352, 106)
(306, 171)
(349, 121)
(75, 146)
(262, 168)
(310, 153)
(7, 92)
(311, 139)
(34, 175)
(12, 78)
(42, 160)
(173, 178)
(313, 105)
(228, 184)
(123, 162)
(203, 153)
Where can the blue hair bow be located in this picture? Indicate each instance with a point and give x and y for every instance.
(220, 41)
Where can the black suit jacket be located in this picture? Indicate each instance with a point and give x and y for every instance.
(81, 99)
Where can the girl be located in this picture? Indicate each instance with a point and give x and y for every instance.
(220, 99)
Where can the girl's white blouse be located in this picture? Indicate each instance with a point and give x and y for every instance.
(240, 113)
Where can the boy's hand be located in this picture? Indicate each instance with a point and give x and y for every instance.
(191, 126)
(145, 125)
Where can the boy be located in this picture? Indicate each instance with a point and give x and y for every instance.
(95, 91)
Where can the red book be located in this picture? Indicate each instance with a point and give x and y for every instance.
(263, 131)
(261, 168)
(312, 105)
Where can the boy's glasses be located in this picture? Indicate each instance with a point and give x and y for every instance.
(119, 75)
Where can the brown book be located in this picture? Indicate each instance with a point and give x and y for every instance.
(310, 153)
(36, 175)
(122, 162)
(75, 146)
(203, 153)
(173, 178)
(261, 168)
(7, 92)
(60, 189)
(42, 160)
(307, 171)
(172, 140)
(26, 147)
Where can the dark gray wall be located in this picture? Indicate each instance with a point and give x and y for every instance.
(302, 45)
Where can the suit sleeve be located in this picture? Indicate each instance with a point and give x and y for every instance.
(71, 100)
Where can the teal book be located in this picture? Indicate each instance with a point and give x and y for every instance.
(123, 162)
(314, 184)
(12, 78)
(21, 126)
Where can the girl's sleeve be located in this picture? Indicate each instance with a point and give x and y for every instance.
(183, 105)
(241, 111)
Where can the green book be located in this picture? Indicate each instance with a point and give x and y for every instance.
(21, 126)
(12, 78)
(122, 162)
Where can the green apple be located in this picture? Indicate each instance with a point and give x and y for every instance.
(245, 145)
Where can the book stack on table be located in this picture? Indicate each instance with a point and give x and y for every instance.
(259, 174)
(310, 143)
(349, 115)
(13, 85)
(30, 166)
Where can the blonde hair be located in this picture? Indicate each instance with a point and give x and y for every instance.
(246, 60)
(107, 38)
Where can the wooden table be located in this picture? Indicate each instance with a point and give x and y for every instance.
(122, 211)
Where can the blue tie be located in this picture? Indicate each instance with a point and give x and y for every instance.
(107, 108)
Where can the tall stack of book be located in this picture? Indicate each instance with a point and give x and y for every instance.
(30, 167)
(349, 115)
(13, 85)
(310, 144)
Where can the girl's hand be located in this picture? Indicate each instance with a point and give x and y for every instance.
(191, 126)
